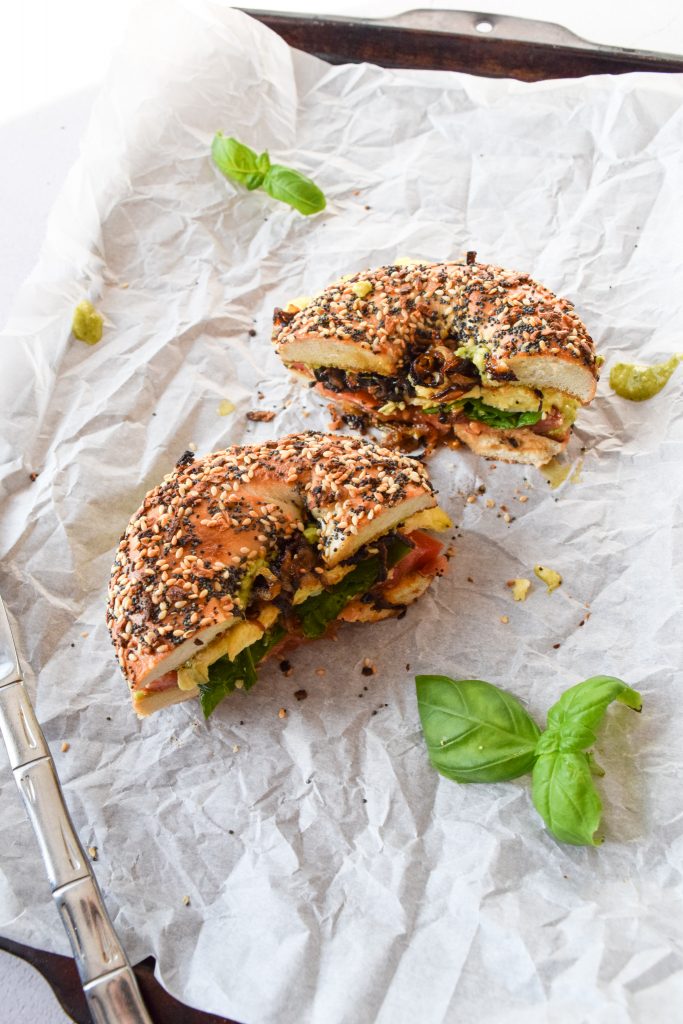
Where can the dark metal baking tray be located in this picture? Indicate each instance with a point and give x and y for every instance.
(479, 44)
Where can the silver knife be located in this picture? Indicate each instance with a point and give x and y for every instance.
(107, 977)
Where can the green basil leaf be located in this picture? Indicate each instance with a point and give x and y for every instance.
(474, 731)
(225, 674)
(263, 163)
(502, 419)
(237, 161)
(562, 786)
(579, 711)
(296, 189)
(317, 612)
(499, 418)
(564, 795)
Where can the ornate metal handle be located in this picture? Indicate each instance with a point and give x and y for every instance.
(108, 980)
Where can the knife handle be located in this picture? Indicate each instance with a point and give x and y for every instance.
(108, 980)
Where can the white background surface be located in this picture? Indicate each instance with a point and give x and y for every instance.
(52, 58)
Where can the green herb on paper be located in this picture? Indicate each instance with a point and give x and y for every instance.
(87, 323)
(243, 165)
(562, 785)
(476, 732)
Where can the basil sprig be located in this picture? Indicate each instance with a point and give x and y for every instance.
(562, 787)
(476, 732)
(243, 165)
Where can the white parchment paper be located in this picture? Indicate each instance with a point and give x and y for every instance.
(332, 875)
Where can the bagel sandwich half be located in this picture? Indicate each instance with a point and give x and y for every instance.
(442, 353)
(244, 552)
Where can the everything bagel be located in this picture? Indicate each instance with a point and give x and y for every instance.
(446, 352)
(244, 550)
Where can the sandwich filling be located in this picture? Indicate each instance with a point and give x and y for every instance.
(455, 393)
(241, 552)
(295, 598)
(443, 353)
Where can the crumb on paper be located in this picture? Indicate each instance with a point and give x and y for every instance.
(504, 619)
(321, 671)
(490, 503)
(65, 746)
(507, 517)
(92, 852)
(251, 332)
(87, 323)
(282, 713)
(368, 668)
(124, 285)
(471, 498)
(226, 407)
(522, 498)
(192, 446)
(520, 588)
(260, 415)
(550, 577)
(235, 748)
(33, 477)
(186, 901)
(286, 667)
(300, 694)
(85, 635)
(556, 647)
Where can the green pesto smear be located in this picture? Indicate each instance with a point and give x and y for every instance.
(87, 323)
(637, 382)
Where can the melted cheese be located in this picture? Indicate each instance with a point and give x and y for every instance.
(241, 635)
(429, 519)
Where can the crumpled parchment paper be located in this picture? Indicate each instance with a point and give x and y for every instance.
(332, 876)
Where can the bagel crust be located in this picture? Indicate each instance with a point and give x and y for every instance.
(485, 325)
(181, 567)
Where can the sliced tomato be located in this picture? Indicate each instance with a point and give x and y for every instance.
(165, 682)
(425, 557)
(361, 398)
